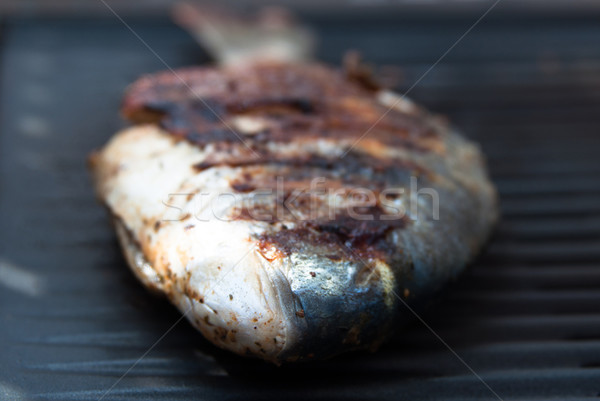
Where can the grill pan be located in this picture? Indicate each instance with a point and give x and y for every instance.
(525, 318)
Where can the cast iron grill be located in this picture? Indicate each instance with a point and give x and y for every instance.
(526, 317)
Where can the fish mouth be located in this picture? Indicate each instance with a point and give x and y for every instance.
(290, 310)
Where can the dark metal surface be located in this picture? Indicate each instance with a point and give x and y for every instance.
(332, 8)
(526, 317)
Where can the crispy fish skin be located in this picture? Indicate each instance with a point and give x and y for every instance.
(306, 283)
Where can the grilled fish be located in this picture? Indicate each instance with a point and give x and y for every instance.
(289, 210)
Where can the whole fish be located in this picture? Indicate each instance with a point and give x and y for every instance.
(291, 210)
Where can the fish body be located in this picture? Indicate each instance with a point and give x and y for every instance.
(289, 211)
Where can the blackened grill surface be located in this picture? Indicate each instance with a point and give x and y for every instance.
(526, 317)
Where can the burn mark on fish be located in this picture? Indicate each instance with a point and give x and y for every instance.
(360, 227)
(295, 101)
(274, 106)
(342, 237)
(356, 168)
(240, 186)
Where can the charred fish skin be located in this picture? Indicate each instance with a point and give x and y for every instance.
(298, 286)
